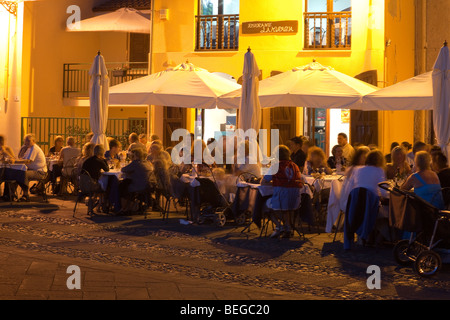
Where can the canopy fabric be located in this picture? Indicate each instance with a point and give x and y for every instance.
(185, 86)
(441, 98)
(122, 20)
(412, 94)
(249, 106)
(98, 99)
(313, 85)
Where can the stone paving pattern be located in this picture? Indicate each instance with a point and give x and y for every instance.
(135, 258)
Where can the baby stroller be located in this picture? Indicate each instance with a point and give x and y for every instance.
(429, 230)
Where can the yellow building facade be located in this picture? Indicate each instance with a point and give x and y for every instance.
(382, 43)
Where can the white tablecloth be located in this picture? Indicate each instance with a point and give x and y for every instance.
(103, 181)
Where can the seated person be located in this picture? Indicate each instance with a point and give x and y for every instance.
(95, 164)
(440, 166)
(295, 144)
(316, 162)
(34, 159)
(56, 149)
(133, 139)
(399, 167)
(113, 154)
(287, 184)
(137, 176)
(370, 175)
(337, 160)
(425, 182)
(5, 151)
(86, 153)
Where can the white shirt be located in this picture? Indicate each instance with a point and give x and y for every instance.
(37, 157)
(367, 177)
(68, 153)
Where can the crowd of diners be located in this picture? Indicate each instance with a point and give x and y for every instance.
(421, 167)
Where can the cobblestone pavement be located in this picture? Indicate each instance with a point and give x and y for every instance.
(137, 258)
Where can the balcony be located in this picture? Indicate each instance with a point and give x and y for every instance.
(217, 32)
(76, 76)
(328, 30)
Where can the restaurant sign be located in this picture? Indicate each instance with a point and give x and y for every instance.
(270, 27)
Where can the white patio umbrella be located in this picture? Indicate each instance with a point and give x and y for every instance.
(412, 94)
(441, 98)
(98, 99)
(249, 106)
(185, 86)
(122, 20)
(313, 85)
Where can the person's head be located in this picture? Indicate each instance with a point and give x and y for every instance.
(419, 146)
(359, 157)
(58, 142)
(435, 149)
(138, 154)
(143, 138)
(440, 161)
(114, 146)
(2, 141)
(99, 151)
(70, 141)
(306, 145)
(295, 144)
(157, 142)
(283, 152)
(372, 146)
(393, 145)
(376, 159)
(88, 150)
(154, 137)
(337, 151)
(316, 156)
(398, 155)
(422, 160)
(406, 145)
(155, 148)
(133, 138)
(342, 139)
(29, 140)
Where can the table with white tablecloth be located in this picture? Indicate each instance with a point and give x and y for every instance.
(13, 171)
(334, 183)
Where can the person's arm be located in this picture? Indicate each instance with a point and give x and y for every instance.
(408, 184)
(105, 166)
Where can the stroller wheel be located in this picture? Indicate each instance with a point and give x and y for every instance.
(201, 220)
(241, 219)
(221, 219)
(403, 252)
(427, 264)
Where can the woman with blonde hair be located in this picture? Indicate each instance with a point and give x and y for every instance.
(425, 181)
(316, 162)
(399, 167)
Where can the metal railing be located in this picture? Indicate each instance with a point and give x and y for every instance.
(328, 30)
(46, 129)
(217, 32)
(76, 76)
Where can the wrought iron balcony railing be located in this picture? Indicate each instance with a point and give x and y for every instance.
(217, 32)
(76, 76)
(328, 30)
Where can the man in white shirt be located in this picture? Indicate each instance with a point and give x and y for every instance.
(34, 159)
(348, 150)
(70, 152)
